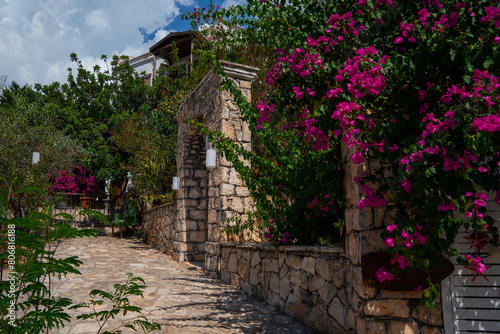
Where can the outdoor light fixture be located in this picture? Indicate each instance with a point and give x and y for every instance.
(175, 183)
(211, 161)
(35, 158)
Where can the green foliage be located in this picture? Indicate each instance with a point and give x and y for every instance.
(33, 266)
(31, 244)
(412, 90)
(119, 304)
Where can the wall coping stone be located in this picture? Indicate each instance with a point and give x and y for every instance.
(233, 70)
(160, 206)
(291, 249)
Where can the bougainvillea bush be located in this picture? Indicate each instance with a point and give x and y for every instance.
(74, 180)
(412, 86)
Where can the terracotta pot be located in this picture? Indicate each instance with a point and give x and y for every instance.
(86, 202)
(406, 281)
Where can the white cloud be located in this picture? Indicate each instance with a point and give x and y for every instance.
(228, 3)
(37, 36)
(98, 21)
(159, 35)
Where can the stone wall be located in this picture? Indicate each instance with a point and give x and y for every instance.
(308, 283)
(158, 224)
(208, 199)
(372, 310)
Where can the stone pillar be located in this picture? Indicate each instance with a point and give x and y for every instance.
(372, 310)
(208, 199)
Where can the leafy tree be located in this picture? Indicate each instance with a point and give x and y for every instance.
(28, 125)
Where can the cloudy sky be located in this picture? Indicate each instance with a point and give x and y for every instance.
(37, 36)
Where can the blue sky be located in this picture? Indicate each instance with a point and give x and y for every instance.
(39, 35)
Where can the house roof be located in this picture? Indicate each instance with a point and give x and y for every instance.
(182, 40)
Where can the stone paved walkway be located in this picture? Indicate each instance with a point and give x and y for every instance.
(178, 295)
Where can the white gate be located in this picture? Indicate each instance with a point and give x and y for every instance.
(472, 304)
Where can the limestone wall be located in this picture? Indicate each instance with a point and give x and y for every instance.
(158, 224)
(308, 283)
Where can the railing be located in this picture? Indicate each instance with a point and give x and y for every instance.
(73, 203)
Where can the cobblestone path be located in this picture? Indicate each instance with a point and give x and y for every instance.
(178, 295)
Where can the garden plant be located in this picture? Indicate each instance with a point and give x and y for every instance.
(29, 247)
(410, 89)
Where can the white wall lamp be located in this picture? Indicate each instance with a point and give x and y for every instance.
(175, 183)
(211, 161)
(211, 156)
(35, 158)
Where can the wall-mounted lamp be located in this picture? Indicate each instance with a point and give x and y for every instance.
(35, 158)
(211, 161)
(175, 183)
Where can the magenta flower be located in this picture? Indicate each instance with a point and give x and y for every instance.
(358, 158)
(398, 40)
(389, 241)
(445, 207)
(392, 227)
(384, 275)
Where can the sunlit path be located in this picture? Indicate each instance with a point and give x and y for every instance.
(178, 295)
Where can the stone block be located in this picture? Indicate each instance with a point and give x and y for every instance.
(191, 225)
(271, 265)
(400, 327)
(338, 311)
(197, 236)
(353, 248)
(297, 304)
(233, 263)
(294, 261)
(430, 317)
(323, 269)
(255, 259)
(244, 269)
(299, 278)
(234, 178)
(197, 214)
(226, 189)
(338, 270)
(387, 308)
(284, 271)
(194, 193)
(227, 128)
(327, 293)
(401, 294)
(431, 330)
(254, 275)
(236, 204)
(200, 173)
(242, 191)
(246, 136)
(274, 283)
(285, 288)
(315, 283)
(308, 264)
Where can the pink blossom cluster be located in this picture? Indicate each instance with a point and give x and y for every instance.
(489, 123)
(325, 204)
(384, 275)
(74, 181)
(476, 263)
(372, 199)
(479, 201)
